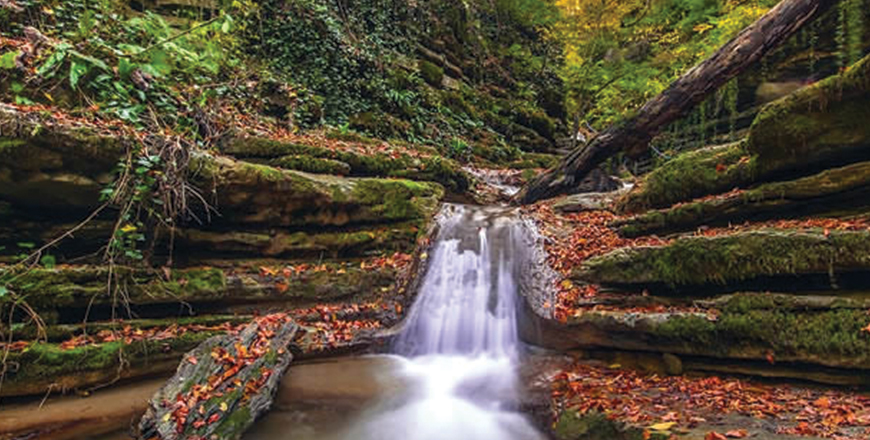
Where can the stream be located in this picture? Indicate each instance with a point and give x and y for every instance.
(454, 374)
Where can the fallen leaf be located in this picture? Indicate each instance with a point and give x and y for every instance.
(736, 433)
(713, 435)
(662, 426)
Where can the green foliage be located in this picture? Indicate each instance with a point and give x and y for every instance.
(617, 57)
(431, 73)
(459, 149)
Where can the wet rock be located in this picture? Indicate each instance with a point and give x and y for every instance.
(222, 386)
(594, 201)
(594, 426)
(673, 364)
(840, 191)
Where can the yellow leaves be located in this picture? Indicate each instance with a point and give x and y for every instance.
(664, 426)
(703, 27)
(128, 228)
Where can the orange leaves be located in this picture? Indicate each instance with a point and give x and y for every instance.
(192, 403)
(574, 238)
(657, 401)
(825, 224)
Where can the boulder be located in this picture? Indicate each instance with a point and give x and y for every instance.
(224, 385)
(821, 124)
(710, 170)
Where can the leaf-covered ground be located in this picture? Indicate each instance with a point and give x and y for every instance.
(681, 404)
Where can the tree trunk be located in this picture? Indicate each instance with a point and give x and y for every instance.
(634, 134)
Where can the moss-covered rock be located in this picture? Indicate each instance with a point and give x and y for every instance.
(72, 293)
(44, 163)
(46, 366)
(311, 165)
(732, 258)
(227, 394)
(830, 338)
(595, 426)
(79, 286)
(844, 190)
(693, 174)
(301, 244)
(815, 127)
(431, 73)
(822, 123)
(428, 167)
(260, 195)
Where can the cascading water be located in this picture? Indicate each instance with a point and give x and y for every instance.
(460, 344)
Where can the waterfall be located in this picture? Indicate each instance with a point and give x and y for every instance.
(459, 344)
(466, 303)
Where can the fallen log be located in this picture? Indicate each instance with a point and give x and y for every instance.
(634, 134)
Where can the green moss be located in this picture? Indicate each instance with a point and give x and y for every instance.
(52, 289)
(818, 194)
(321, 160)
(724, 259)
(835, 335)
(43, 363)
(538, 121)
(10, 143)
(822, 122)
(311, 165)
(395, 199)
(348, 243)
(349, 136)
(235, 423)
(431, 73)
(690, 175)
(266, 148)
(594, 426)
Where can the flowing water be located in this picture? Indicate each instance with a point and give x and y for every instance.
(460, 339)
(454, 375)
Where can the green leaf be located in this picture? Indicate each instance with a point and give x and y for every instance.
(90, 60)
(7, 60)
(46, 70)
(16, 87)
(125, 67)
(76, 72)
(48, 261)
(3, 291)
(26, 245)
(160, 63)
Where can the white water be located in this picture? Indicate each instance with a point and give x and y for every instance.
(459, 346)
